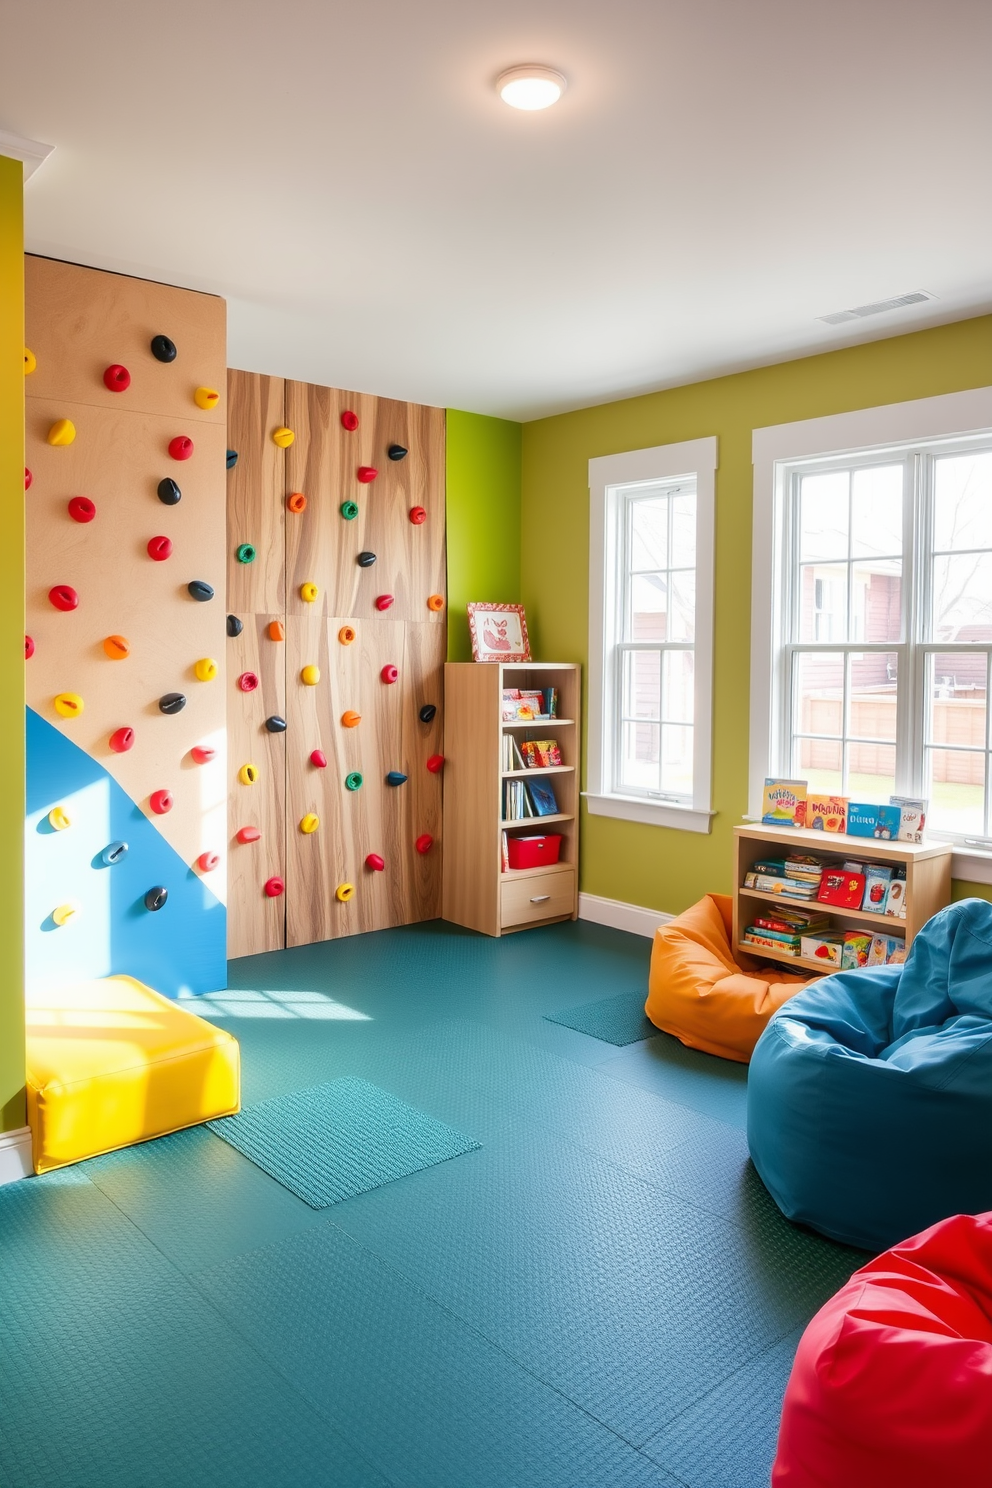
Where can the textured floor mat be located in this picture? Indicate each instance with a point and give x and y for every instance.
(334, 1141)
(615, 1020)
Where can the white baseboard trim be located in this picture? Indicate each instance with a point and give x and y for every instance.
(620, 916)
(15, 1155)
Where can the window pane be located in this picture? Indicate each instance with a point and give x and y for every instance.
(642, 685)
(962, 598)
(648, 618)
(956, 787)
(678, 696)
(684, 531)
(876, 599)
(823, 602)
(683, 615)
(823, 516)
(639, 749)
(871, 772)
(819, 762)
(873, 691)
(962, 508)
(649, 533)
(876, 512)
(818, 693)
(676, 760)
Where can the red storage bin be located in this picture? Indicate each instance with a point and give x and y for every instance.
(533, 852)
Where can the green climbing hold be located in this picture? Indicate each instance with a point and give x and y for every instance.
(349, 510)
(245, 553)
(353, 781)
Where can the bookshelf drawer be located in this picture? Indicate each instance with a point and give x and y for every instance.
(527, 900)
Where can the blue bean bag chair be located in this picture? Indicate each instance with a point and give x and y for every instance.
(869, 1099)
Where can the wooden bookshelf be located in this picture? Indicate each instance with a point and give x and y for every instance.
(476, 891)
(928, 883)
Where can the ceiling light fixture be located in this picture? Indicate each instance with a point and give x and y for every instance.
(530, 86)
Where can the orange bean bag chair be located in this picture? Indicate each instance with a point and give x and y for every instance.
(701, 993)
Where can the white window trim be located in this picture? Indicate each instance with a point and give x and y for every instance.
(696, 457)
(952, 415)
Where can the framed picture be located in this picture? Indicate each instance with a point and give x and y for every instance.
(499, 632)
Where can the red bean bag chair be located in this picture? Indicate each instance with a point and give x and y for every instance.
(704, 995)
(892, 1382)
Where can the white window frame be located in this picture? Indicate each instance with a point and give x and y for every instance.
(696, 459)
(773, 449)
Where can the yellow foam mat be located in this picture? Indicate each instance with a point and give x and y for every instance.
(111, 1062)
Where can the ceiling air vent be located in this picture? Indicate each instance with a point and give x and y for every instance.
(878, 307)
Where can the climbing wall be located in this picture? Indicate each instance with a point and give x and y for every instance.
(340, 499)
(125, 676)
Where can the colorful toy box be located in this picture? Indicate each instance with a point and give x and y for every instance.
(856, 949)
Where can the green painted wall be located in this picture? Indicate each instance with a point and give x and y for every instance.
(654, 866)
(483, 518)
(12, 1113)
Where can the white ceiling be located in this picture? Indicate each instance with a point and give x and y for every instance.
(719, 174)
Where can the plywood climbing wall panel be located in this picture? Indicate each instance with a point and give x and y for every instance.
(80, 323)
(256, 511)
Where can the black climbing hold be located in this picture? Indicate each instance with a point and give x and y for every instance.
(155, 898)
(395, 777)
(397, 452)
(172, 702)
(168, 492)
(427, 712)
(200, 589)
(366, 560)
(232, 459)
(234, 625)
(275, 724)
(163, 350)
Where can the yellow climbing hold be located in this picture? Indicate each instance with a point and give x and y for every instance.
(310, 675)
(30, 360)
(69, 704)
(248, 774)
(344, 892)
(310, 823)
(59, 818)
(205, 397)
(309, 592)
(283, 437)
(66, 912)
(62, 432)
(205, 669)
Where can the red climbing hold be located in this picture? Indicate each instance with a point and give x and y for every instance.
(160, 801)
(389, 673)
(249, 834)
(63, 597)
(248, 681)
(384, 601)
(417, 515)
(367, 473)
(374, 862)
(117, 378)
(121, 740)
(424, 843)
(207, 862)
(318, 759)
(28, 478)
(181, 447)
(82, 509)
(160, 548)
(274, 887)
(436, 764)
(349, 421)
(202, 754)
(28, 647)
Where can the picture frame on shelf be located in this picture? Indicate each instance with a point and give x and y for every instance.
(499, 632)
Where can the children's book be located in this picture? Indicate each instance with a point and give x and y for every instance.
(857, 945)
(543, 797)
(827, 948)
(826, 813)
(782, 801)
(895, 899)
(872, 821)
(912, 817)
(878, 876)
(842, 888)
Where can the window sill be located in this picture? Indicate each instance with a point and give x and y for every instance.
(972, 865)
(652, 813)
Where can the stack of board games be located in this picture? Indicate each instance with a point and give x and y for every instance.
(794, 877)
(783, 928)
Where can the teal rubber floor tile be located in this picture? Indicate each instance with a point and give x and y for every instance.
(197, 1199)
(433, 1403)
(716, 1087)
(628, 1301)
(728, 1439)
(616, 1020)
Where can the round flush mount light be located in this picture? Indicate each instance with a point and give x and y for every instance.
(530, 86)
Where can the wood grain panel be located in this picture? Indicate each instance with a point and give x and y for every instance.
(255, 921)
(377, 818)
(256, 491)
(322, 547)
(78, 321)
(117, 459)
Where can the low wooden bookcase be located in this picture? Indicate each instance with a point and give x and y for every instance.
(928, 882)
(477, 891)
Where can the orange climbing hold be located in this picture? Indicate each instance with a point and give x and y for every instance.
(435, 602)
(296, 502)
(277, 631)
(346, 634)
(350, 719)
(118, 648)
